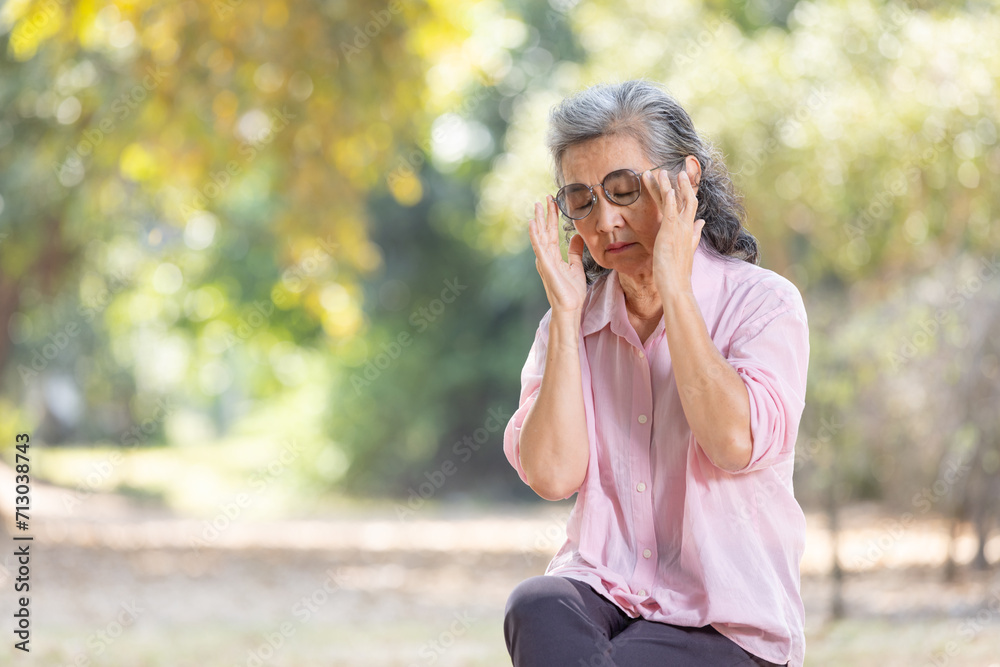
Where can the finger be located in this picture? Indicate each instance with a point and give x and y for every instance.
(670, 194)
(541, 231)
(543, 215)
(670, 205)
(655, 191)
(543, 239)
(675, 197)
(557, 226)
(576, 246)
(663, 179)
(653, 185)
(687, 191)
(552, 216)
(699, 224)
(534, 233)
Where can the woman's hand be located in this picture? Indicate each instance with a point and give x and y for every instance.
(554, 442)
(714, 397)
(673, 251)
(565, 282)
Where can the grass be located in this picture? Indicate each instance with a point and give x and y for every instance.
(901, 617)
(423, 642)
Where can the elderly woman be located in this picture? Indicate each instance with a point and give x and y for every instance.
(664, 388)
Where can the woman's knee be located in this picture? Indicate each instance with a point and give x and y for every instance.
(537, 596)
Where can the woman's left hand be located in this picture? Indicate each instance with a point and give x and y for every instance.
(673, 251)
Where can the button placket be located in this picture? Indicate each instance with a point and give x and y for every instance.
(642, 502)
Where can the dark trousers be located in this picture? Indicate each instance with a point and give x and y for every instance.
(554, 621)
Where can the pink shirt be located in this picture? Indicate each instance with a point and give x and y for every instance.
(657, 528)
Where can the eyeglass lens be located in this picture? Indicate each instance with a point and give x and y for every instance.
(576, 200)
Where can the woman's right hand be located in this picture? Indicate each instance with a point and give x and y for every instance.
(565, 282)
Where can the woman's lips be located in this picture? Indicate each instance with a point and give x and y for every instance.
(618, 247)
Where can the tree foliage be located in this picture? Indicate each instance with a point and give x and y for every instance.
(185, 189)
(313, 217)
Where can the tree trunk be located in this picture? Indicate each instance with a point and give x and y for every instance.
(833, 518)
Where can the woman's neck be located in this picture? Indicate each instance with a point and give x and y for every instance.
(642, 299)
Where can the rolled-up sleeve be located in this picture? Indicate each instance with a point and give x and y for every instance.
(531, 381)
(771, 355)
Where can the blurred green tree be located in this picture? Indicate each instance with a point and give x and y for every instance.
(184, 188)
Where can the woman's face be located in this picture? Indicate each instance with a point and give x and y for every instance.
(618, 237)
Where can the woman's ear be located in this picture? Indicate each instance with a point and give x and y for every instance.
(693, 169)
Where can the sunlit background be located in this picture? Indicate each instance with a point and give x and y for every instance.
(266, 291)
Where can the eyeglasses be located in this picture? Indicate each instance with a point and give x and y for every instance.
(621, 188)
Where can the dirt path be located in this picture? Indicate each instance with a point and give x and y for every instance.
(132, 586)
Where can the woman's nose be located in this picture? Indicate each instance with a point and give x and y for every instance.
(608, 215)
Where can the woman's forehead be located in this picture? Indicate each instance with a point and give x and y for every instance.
(592, 160)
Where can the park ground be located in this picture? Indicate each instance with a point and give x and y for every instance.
(129, 583)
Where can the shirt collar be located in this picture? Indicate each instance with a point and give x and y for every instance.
(603, 303)
(606, 304)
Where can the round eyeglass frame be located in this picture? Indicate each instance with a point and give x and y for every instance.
(593, 195)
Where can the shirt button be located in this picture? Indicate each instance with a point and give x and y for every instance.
(642, 592)
(642, 355)
(642, 419)
(640, 487)
(646, 553)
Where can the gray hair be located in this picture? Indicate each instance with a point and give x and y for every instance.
(660, 125)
